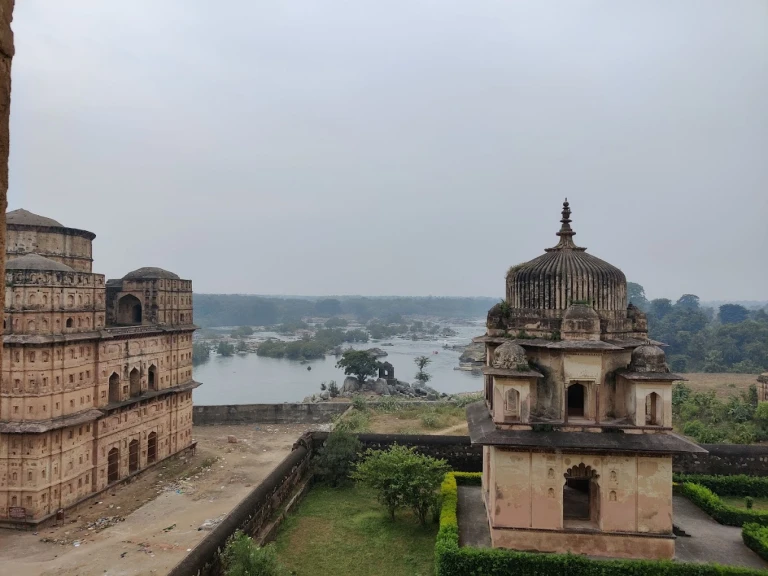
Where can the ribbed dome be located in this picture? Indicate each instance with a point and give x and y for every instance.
(566, 274)
(150, 273)
(648, 358)
(27, 218)
(36, 262)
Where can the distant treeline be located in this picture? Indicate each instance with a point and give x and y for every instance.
(729, 338)
(237, 310)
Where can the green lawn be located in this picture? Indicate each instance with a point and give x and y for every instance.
(738, 501)
(344, 531)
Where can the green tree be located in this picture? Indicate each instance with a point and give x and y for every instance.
(690, 301)
(241, 346)
(733, 313)
(241, 331)
(336, 458)
(328, 307)
(358, 363)
(200, 353)
(636, 295)
(402, 478)
(659, 308)
(422, 362)
(242, 557)
(225, 349)
(336, 322)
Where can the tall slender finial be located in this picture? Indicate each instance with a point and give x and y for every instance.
(566, 233)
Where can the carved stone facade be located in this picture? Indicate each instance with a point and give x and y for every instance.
(576, 427)
(96, 376)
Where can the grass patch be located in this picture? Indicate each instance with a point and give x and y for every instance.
(345, 531)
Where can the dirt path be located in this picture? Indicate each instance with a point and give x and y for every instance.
(158, 515)
(461, 429)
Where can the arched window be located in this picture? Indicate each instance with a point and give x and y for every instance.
(113, 465)
(129, 310)
(512, 405)
(114, 388)
(135, 383)
(133, 456)
(653, 410)
(70, 322)
(152, 448)
(152, 378)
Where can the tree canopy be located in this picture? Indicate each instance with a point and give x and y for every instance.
(358, 363)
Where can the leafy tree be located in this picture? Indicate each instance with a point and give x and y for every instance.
(636, 295)
(200, 353)
(660, 308)
(241, 331)
(358, 363)
(690, 301)
(242, 557)
(241, 346)
(402, 478)
(733, 313)
(225, 349)
(336, 458)
(422, 362)
(336, 322)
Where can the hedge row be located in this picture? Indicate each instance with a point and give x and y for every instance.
(711, 503)
(755, 536)
(740, 485)
(452, 560)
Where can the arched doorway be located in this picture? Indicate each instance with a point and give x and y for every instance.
(152, 378)
(129, 310)
(135, 383)
(151, 447)
(576, 395)
(114, 387)
(581, 498)
(653, 410)
(133, 456)
(512, 405)
(113, 465)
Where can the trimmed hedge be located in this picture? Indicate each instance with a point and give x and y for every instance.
(756, 538)
(711, 503)
(740, 485)
(452, 560)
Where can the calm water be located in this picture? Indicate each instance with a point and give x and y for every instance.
(251, 379)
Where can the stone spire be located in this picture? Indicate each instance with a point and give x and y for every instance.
(566, 233)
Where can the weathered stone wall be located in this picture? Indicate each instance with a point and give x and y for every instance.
(268, 413)
(726, 460)
(65, 245)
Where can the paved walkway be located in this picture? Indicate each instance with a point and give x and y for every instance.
(709, 541)
(473, 521)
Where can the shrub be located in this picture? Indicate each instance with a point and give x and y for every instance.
(336, 458)
(462, 401)
(430, 419)
(711, 503)
(352, 421)
(738, 485)
(451, 560)
(403, 478)
(359, 403)
(242, 557)
(389, 404)
(749, 502)
(755, 537)
(333, 389)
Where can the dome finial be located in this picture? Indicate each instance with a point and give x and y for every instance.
(566, 233)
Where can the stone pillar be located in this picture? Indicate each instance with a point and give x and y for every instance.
(6, 55)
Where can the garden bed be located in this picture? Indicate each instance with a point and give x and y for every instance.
(345, 531)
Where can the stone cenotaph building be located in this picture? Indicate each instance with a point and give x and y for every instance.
(576, 426)
(96, 377)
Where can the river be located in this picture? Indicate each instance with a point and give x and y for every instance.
(252, 379)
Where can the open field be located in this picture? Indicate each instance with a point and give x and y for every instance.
(345, 531)
(724, 384)
(162, 509)
(738, 502)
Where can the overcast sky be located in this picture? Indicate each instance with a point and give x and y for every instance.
(398, 146)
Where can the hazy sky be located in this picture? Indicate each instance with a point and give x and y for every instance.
(398, 146)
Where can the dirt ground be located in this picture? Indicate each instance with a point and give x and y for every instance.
(155, 520)
(725, 384)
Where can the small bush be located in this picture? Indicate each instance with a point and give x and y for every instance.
(711, 503)
(738, 485)
(359, 403)
(336, 458)
(403, 478)
(430, 419)
(462, 401)
(749, 502)
(352, 421)
(755, 537)
(242, 557)
(333, 389)
(389, 405)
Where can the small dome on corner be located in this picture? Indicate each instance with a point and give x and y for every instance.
(649, 358)
(150, 273)
(510, 356)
